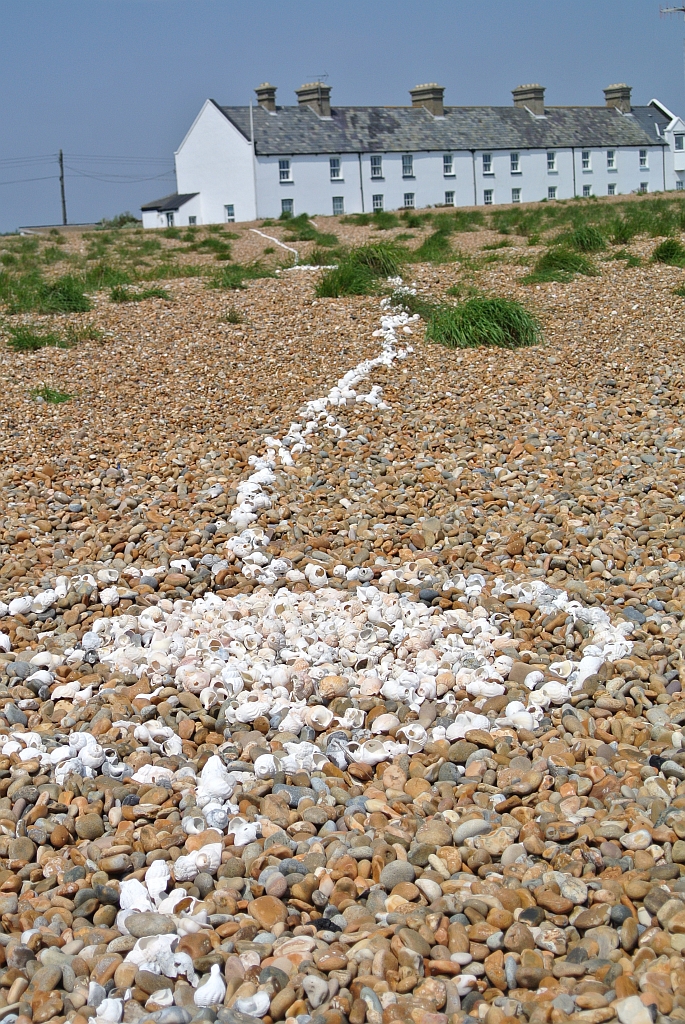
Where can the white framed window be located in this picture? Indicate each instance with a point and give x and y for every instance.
(516, 195)
(611, 159)
(336, 171)
(643, 160)
(229, 213)
(284, 173)
(192, 221)
(376, 166)
(551, 161)
(409, 200)
(170, 219)
(449, 198)
(287, 206)
(515, 163)
(679, 185)
(377, 203)
(552, 192)
(585, 159)
(587, 191)
(338, 206)
(679, 142)
(644, 186)
(487, 163)
(611, 190)
(487, 196)
(448, 165)
(408, 166)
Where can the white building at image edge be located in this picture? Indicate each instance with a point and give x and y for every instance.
(247, 163)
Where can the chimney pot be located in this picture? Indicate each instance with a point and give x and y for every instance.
(431, 96)
(266, 96)
(317, 96)
(618, 96)
(531, 96)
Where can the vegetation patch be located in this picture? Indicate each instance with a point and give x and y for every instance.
(359, 270)
(435, 248)
(585, 238)
(122, 220)
(52, 395)
(233, 316)
(26, 338)
(504, 243)
(234, 275)
(301, 229)
(503, 323)
(30, 292)
(121, 294)
(671, 251)
(560, 264)
(630, 259)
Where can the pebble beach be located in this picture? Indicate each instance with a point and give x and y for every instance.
(341, 673)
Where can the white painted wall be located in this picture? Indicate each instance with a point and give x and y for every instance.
(158, 219)
(215, 159)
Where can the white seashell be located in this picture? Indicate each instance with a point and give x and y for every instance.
(215, 782)
(372, 752)
(213, 991)
(353, 717)
(215, 815)
(256, 1005)
(243, 832)
(517, 716)
(5, 642)
(563, 669)
(415, 735)
(156, 878)
(109, 597)
(465, 721)
(319, 718)
(587, 667)
(110, 1011)
(20, 605)
(159, 998)
(484, 688)
(384, 723)
(532, 679)
(266, 766)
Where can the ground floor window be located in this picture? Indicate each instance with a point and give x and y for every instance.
(644, 186)
(587, 191)
(611, 190)
(409, 200)
(516, 195)
(679, 185)
(487, 196)
(170, 219)
(192, 221)
(552, 192)
(229, 213)
(338, 205)
(287, 206)
(449, 198)
(377, 203)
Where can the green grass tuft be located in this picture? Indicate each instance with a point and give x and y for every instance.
(234, 275)
(26, 338)
(435, 248)
(503, 323)
(121, 294)
(301, 229)
(504, 243)
(52, 395)
(671, 251)
(233, 316)
(560, 264)
(630, 259)
(30, 292)
(585, 238)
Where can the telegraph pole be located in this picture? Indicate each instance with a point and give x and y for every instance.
(61, 187)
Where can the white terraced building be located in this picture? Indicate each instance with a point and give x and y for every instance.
(245, 163)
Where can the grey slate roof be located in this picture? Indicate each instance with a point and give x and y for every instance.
(299, 130)
(173, 202)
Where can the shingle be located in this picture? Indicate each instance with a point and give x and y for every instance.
(298, 130)
(172, 202)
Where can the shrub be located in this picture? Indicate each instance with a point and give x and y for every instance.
(560, 264)
(52, 395)
(26, 338)
(121, 220)
(503, 323)
(670, 251)
(121, 294)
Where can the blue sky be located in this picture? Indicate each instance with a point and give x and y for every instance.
(117, 83)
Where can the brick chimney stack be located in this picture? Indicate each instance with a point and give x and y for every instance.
(531, 96)
(317, 96)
